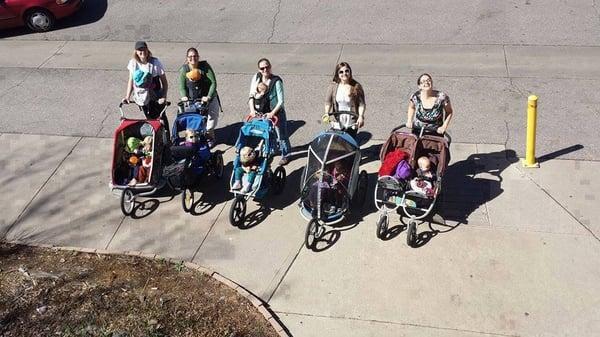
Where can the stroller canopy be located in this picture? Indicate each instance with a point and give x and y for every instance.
(192, 121)
(329, 147)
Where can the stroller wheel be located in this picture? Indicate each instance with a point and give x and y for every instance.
(127, 201)
(218, 167)
(279, 178)
(314, 231)
(382, 225)
(237, 212)
(187, 199)
(411, 233)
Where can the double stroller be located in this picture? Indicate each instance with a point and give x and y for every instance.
(144, 160)
(331, 184)
(252, 176)
(416, 195)
(138, 151)
(191, 158)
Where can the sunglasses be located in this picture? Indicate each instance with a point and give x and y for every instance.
(345, 71)
(264, 68)
(192, 56)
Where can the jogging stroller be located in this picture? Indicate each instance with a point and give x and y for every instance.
(257, 141)
(137, 161)
(400, 186)
(331, 184)
(191, 158)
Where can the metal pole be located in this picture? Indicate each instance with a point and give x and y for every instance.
(530, 160)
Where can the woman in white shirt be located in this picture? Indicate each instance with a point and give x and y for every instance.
(346, 94)
(147, 82)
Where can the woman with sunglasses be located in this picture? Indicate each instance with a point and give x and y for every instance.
(346, 94)
(197, 81)
(274, 96)
(428, 109)
(147, 82)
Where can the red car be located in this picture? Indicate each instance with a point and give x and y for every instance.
(38, 15)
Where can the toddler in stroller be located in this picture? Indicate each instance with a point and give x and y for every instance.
(252, 176)
(417, 190)
(137, 158)
(191, 157)
(331, 182)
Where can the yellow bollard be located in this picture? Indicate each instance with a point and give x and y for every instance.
(531, 126)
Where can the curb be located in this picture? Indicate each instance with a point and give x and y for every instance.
(261, 306)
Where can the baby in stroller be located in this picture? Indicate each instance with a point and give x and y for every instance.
(139, 153)
(248, 167)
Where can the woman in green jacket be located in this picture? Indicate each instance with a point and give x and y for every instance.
(197, 81)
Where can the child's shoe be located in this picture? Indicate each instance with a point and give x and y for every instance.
(236, 185)
(133, 182)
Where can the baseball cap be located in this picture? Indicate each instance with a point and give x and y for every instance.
(140, 45)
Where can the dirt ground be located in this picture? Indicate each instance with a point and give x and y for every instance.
(47, 292)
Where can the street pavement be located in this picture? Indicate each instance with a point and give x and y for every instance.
(510, 251)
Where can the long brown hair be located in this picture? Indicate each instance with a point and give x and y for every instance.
(135, 57)
(355, 85)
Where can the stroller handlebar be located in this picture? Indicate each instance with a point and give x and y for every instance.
(274, 119)
(338, 113)
(424, 128)
(200, 105)
(126, 102)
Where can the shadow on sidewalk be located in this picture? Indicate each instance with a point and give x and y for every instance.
(466, 186)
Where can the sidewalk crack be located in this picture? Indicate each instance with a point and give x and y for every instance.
(33, 70)
(274, 21)
(340, 54)
(285, 273)
(20, 216)
(396, 323)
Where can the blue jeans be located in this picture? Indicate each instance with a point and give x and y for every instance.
(282, 134)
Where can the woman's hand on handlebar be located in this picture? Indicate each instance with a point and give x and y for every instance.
(204, 99)
(184, 99)
(441, 130)
(409, 124)
(161, 100)
(125, 100)
(360, 122)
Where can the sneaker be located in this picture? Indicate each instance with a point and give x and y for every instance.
(236, 185)
(133, 182)
(284, 161)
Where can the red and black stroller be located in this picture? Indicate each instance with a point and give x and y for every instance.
(399, 185)
(137, 164)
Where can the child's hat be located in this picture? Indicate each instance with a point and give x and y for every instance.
(194, 75)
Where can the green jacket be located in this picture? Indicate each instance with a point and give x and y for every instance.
(207, 86)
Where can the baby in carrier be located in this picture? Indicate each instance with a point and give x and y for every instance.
(261, 99)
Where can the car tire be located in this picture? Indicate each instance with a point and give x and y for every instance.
(39, 20)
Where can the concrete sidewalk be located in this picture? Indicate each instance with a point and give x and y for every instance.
(512, 252)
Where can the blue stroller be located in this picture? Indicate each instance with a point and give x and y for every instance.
(331, 183)
(257, 136)
(190, 152)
